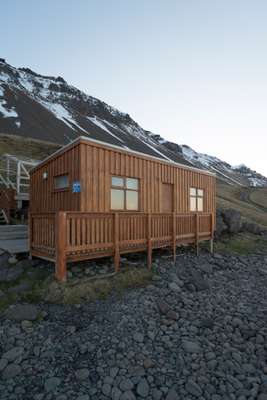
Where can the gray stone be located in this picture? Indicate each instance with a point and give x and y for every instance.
(174, 287)
(128, 395)
(51, 384)
(126, 384)
(106, 388)
(83, 397)
(82, 374)
(191, 347)
(193, 388)
(115, 393)
(142, 388)
(172, 395)
(198, 281)
(232, 218)
(163, 306)
(113, 371)
(138, 337)
(21, 312)
(13, 354)
(12, 260)
(156, 394)
(11, 371)
(3, 363)
(262, 396)
(172, 315)
(148, 363)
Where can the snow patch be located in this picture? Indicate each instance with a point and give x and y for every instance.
(61, 113)
(4, 77)
(102, 125)
(8, 112)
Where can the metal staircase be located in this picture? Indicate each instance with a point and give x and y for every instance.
(15, 174)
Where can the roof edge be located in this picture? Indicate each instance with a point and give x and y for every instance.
(81, 139)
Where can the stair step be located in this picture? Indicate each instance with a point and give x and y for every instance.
(10, 232)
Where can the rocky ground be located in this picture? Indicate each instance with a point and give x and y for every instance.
(198, 330)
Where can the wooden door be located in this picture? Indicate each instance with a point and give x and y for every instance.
(167, 198)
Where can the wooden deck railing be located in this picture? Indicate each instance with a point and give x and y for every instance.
(73, 236)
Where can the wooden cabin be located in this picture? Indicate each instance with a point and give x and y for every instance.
(91, 199)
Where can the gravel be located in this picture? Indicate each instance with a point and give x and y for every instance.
(198, 331)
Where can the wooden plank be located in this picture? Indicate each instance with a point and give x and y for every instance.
(197, 233)
(61, 271)
(149, 245)
(116, 242)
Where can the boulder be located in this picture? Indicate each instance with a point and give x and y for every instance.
(232, 219)
(221, 227)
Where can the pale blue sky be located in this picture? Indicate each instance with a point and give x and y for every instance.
(194, 71)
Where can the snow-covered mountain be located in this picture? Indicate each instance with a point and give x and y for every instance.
(48, 108)
(240, 175)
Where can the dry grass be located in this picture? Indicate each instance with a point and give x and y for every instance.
(25, 147)
(231, 197)
(87, 289)
(259, 196)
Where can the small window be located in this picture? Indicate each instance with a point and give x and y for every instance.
(124, 194)
(196, 199)
(117, 199)
(61, 182)
(116, 181)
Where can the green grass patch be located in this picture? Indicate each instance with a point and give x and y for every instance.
(243, 244)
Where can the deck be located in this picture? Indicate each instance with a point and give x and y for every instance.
(63, 237)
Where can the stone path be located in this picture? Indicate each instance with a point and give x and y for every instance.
(198, 331)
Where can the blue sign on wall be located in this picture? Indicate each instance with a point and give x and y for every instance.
(76, 187)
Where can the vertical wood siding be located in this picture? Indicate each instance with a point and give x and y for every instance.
(94, 164)
(98, 164)
(43, 196)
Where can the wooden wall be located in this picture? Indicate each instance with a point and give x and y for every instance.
(43, 196)
(99, 163)
(94, 164)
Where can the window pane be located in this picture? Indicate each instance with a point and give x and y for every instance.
(132, 183)
(200, 192)
(193, 204)
(117, 199)
(116, 181)
(131, 200)
(200, 203)
(193, 191)
(61, 182)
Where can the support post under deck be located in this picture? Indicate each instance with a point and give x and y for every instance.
(61, 270)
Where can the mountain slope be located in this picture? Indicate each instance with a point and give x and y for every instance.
(47, 108)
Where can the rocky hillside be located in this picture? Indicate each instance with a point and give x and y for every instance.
(49, 109)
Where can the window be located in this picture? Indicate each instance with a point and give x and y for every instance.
(61, 182)
(196, 199)
(124, 193)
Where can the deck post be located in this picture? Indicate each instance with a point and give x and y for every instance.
(211, 232)
(116, 243)
(61, 270)
(30, 234)
(197, 234)
(149, 243)
(174, 236)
